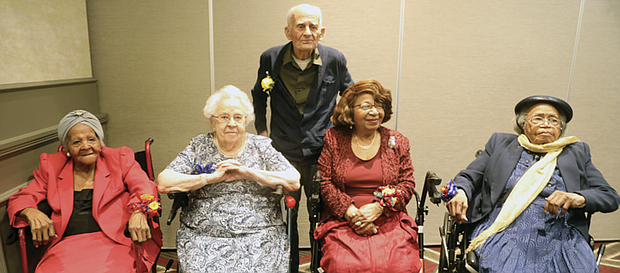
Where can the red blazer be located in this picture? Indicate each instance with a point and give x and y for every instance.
(119, 180)
(396, 168)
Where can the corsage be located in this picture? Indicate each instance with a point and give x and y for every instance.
(267, 83)
(203, 168)
(149, 206)
(448, 191)
(388, 196)
(392, 142)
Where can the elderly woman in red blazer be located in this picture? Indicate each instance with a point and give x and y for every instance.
(95, 193)
(367, 183)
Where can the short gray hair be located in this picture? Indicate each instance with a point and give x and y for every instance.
(307, 8)
(521, 119)
(229, 92)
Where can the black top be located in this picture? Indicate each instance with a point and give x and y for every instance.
(82, 220)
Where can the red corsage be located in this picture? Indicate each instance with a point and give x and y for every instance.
(149, 206)
(388, 196)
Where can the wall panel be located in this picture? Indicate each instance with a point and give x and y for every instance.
(464, 67)
(595, 98)
(43, 41)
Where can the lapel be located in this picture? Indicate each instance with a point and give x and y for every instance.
(569, 169)
(102, 179)
(276, 64)
(276, 67)
(387, 158)
(314, 95)
(505, 164)
(65, 187)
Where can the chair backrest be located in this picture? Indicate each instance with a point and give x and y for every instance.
(144, 159)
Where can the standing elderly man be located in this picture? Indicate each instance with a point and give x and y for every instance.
(303, 79)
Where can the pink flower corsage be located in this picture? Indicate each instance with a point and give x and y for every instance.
(388, 196)
(149, 205)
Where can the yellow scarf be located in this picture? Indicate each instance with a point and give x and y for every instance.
(531, 183)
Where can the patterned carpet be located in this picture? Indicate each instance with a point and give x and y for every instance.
(610, 263)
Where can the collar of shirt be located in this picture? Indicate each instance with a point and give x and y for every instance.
(288, 57)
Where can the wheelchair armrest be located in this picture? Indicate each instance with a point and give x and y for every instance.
(430, 184)
(180, 201)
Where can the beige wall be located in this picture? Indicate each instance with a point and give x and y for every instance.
(45, 72)
(43, 41)
(464, 67)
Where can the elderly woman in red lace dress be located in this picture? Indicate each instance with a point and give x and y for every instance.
(367, 183)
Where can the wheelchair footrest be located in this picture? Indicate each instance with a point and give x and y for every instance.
(471, 262)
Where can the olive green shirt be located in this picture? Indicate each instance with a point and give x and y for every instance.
(298, 82)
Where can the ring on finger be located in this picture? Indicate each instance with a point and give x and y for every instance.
(358, 223)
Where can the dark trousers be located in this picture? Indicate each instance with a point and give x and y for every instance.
(307, 172)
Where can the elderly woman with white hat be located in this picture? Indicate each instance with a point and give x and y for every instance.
(526, 195)
(95, 193)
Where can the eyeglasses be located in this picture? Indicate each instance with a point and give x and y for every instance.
(368, 106)
(226, 118)
(540, 120)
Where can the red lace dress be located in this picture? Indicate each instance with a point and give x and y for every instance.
(393, 249)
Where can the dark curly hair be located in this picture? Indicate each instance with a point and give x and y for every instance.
(343, 113)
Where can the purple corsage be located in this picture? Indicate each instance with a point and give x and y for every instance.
(448, 191)
(203, 168)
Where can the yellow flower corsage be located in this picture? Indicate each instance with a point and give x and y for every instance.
(267, 83)
(149, 205)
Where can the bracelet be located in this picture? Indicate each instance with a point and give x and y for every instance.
(205, 169)
(388, 196)
(204, 179)
(148, 205)
(448, 191)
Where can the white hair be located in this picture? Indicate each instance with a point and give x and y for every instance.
(306, 7)
(229, 92)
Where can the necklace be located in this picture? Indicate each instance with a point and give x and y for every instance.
(374, 135)
(235, 154)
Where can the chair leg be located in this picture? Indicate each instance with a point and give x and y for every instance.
(22, 250)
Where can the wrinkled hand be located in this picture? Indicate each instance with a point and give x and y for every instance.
(41, 226)
(361, 220)
(564, 200)
(371, 211)
(138, 227)
(457, 207)
(223, 170)
(233, 170)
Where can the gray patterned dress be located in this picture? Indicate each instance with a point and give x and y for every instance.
(232, 226)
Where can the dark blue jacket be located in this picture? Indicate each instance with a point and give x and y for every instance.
(300, 137)
(485, 178)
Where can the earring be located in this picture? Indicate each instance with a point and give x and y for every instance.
(351, 127)
(68, 155)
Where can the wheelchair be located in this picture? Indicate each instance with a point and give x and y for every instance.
(429, 189)
(181, 199)
(454, 242)
(145, 161)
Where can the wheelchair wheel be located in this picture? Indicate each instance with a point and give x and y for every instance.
(453, 245)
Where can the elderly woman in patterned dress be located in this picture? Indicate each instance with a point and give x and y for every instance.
(233, 222)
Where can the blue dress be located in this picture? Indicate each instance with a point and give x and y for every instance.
(232, 226)
(535, 241)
